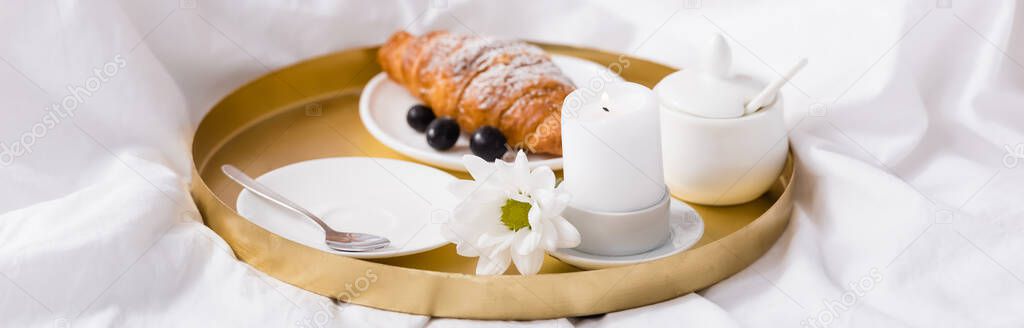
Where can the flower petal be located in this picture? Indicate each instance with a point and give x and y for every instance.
(568, 236)
(517, 174)
(519, 197)
(549, 240)
(482, 205)
(536, 217)
(526, 241)
(552, 202)
(488, 266)
(462, 188)
(466, 249)
(541, 178)
(490, 240)
(463, 236)
(521, 160)
(492, 245)
(557, 204)
(530, 263)
(478, 167)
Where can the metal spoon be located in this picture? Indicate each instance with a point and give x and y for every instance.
(342, 241)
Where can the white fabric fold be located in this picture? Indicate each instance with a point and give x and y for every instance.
(905, 126)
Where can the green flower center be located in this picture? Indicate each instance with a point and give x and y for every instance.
(515, 215)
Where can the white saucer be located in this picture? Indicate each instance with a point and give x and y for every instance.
(383, 106)
(390, 198)
(687, 228)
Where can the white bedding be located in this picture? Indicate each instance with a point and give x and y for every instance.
(904, 125)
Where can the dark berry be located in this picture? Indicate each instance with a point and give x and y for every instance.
(488, 143)
(419, 117)
(442, 133)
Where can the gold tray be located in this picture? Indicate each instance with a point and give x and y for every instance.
(310, 110)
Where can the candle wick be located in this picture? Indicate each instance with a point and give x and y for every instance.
(605, 109)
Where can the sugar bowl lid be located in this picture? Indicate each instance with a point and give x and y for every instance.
(711, 90)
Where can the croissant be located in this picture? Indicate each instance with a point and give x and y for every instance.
(480, 81)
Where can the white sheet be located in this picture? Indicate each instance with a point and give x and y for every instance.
(904, 126)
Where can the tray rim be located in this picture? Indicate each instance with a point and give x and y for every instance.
(224, 220)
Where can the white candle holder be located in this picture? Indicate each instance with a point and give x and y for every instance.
(621, 233)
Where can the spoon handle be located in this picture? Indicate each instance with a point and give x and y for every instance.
(769, 92)
(265, 192)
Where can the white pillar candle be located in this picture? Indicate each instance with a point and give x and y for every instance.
(611, 148)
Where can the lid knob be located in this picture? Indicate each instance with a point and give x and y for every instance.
(718, 57)
(710, 90)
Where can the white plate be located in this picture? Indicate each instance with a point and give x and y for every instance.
(687, 228)
(385, 197)
(383, 105)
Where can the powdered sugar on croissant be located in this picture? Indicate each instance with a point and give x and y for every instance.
(479, 81)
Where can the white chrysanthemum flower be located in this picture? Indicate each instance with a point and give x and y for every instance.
(509, 214)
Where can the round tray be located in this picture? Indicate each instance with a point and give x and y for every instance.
(310, 110)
